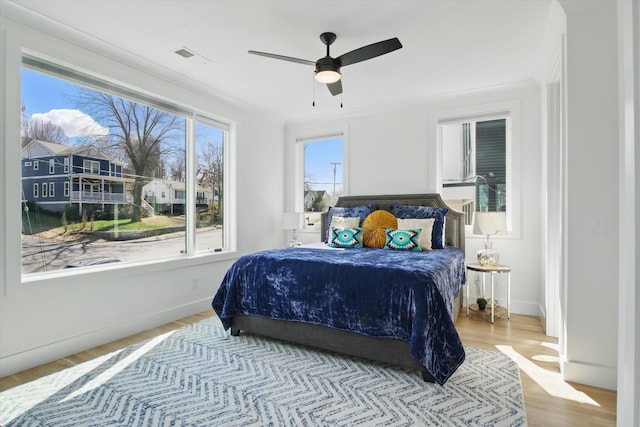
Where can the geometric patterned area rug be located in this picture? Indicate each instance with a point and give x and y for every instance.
(199, 376)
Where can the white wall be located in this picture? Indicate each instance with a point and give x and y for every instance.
(43, 320)
(381, 140)
(628, 412)
(591, 222)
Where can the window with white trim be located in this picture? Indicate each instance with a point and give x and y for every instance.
(475, 172)
(91, 167)
(323, 176)
(211, 145)
(137, 163)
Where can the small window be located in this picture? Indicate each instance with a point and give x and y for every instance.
(323, 175)
(27, 164)
(474, 163)
(45, 188)
(52, 166)
(66, 165)
(36, 187)
(52, 189)
(91, 187)
(36, 165)
(66, 189)
(91, 167)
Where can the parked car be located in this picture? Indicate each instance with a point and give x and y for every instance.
(91, 261)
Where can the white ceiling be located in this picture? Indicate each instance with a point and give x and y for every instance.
(448, 45)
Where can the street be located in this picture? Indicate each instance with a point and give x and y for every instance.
(40, 254)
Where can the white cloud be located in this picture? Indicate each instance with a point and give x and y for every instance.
(74, 122)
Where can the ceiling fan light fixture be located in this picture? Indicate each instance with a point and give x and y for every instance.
(327, 76)
(328, 67)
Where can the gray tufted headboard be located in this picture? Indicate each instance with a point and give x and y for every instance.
(454, 225)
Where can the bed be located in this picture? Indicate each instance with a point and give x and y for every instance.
(392, 306)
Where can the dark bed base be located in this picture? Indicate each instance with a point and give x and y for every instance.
(390, 351)
(386, 350)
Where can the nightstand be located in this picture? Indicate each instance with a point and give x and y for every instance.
(492, 270)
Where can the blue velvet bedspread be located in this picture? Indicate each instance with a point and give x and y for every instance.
(381, 293)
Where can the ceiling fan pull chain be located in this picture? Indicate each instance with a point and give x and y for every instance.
(340, 100)
(313, 90)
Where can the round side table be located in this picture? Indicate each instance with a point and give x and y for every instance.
(492, 270)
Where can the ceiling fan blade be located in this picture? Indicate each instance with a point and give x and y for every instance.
(282, 57)
(369, 51)
(335, 88)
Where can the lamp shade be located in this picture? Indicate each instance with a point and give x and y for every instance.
(489, 223)
(293, 221)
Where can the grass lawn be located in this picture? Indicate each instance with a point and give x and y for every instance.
(126, 224)
(53, 224)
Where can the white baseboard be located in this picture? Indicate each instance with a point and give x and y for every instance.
(589, 374)
(47, 353)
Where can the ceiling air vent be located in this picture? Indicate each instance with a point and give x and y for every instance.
(188, 53)
(184, 52)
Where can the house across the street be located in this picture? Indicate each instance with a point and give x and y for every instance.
(56, 176)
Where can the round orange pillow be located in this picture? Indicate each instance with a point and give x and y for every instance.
(374, 235)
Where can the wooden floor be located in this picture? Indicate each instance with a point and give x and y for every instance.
(549, 400)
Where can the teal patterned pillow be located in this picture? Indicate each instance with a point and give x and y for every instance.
(346, 237)
(403, 240)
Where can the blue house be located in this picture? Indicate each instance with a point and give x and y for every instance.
(56, 176)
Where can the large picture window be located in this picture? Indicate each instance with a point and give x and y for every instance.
(131, 192)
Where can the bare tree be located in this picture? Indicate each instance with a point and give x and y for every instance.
(41, 130)
(308, 179)
(178, 169)
(145, 134)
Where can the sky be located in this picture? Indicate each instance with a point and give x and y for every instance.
(50, 99)
(318, 167)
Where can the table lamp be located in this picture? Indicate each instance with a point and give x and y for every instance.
(293, 221)
(489, 224)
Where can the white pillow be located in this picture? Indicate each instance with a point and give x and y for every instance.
(344, 222)
(425, 224)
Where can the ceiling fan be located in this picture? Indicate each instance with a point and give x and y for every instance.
(328, 68)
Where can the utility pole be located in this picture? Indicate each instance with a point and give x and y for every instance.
(335, 164)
